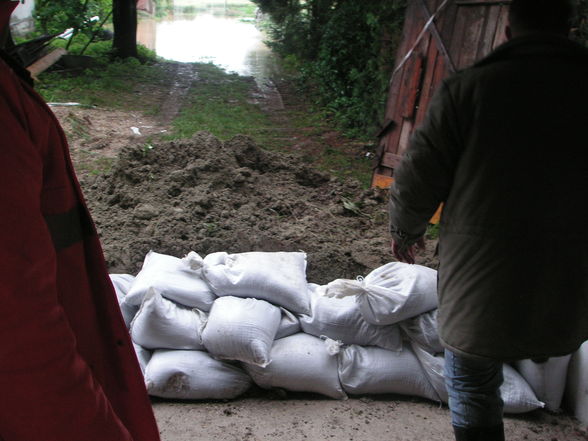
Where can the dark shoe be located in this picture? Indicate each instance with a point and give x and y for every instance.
(494, 433)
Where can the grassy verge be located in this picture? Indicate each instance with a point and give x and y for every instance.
(111, 84)
(220, 103)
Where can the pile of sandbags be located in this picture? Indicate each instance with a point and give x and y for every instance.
(207, 328)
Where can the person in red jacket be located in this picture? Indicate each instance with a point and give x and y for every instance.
(68, 371)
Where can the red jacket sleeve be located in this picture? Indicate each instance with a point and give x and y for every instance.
(47, 391)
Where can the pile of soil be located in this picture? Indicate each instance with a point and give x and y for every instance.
(204, 195)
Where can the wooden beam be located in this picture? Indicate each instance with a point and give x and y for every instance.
(44, 63)
(438, 39)
(483, 2)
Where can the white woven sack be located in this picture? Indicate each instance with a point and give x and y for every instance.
(289, 324)
(423, 331)
(300, 363)
(193, 375)
(163, 324)
(122, 283)
(176, 279)
(143, 356)
(391, 293)
(279, 278)
(341, 319)
(548, 379)
(517, 395)
(241, 329)
(370, 370)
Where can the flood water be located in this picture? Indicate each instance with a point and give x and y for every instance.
(209, 33)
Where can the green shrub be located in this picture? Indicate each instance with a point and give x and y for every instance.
(344, 51)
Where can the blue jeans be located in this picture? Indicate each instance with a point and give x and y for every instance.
(473, 386)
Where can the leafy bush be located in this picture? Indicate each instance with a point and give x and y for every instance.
(345, 51)
(55, 17)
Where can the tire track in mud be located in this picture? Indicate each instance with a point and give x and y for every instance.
(185, 76)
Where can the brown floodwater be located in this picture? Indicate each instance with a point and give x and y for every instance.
(232, 43)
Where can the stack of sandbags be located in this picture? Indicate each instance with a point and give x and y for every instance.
(516, 393)
(547, 378)
(206, 328)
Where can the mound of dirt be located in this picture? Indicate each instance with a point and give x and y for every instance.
(204, 195)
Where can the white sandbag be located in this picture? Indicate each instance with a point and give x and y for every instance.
(176, 279)
(163, 324)
(300, 363)
(241, 329)
(341, 319)
(370, 370)
(391, 293)
(193, 375)
(122, 283)
(548, 379)
(517, 395)
(423, 331)
(289, 324)
(143, 356)
(279, 278)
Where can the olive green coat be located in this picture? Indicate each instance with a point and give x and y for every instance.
(505, 147)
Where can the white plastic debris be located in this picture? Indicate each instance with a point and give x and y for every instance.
(193, 375)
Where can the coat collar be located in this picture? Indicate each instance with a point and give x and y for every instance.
(6, 8)
(544, 45)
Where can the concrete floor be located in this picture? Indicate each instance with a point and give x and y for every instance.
(302, 418)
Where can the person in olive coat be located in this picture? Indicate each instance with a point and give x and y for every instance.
(504, 148)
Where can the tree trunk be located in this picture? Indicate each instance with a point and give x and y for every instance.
(6, 42)
(124, 18)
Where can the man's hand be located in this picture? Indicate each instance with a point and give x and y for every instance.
(405, 253)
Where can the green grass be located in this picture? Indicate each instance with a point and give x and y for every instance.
(87, 162)
(219, 103)
(344, 166)
(109, 84)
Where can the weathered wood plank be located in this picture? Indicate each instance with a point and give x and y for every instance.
(44, 63)
(489, 32)
(473, 19)
(427, 86)
(391, 160)
(500, 36)
(482, 2)
(405, 132)
(414, 86)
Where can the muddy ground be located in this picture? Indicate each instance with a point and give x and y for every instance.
(205, 195)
